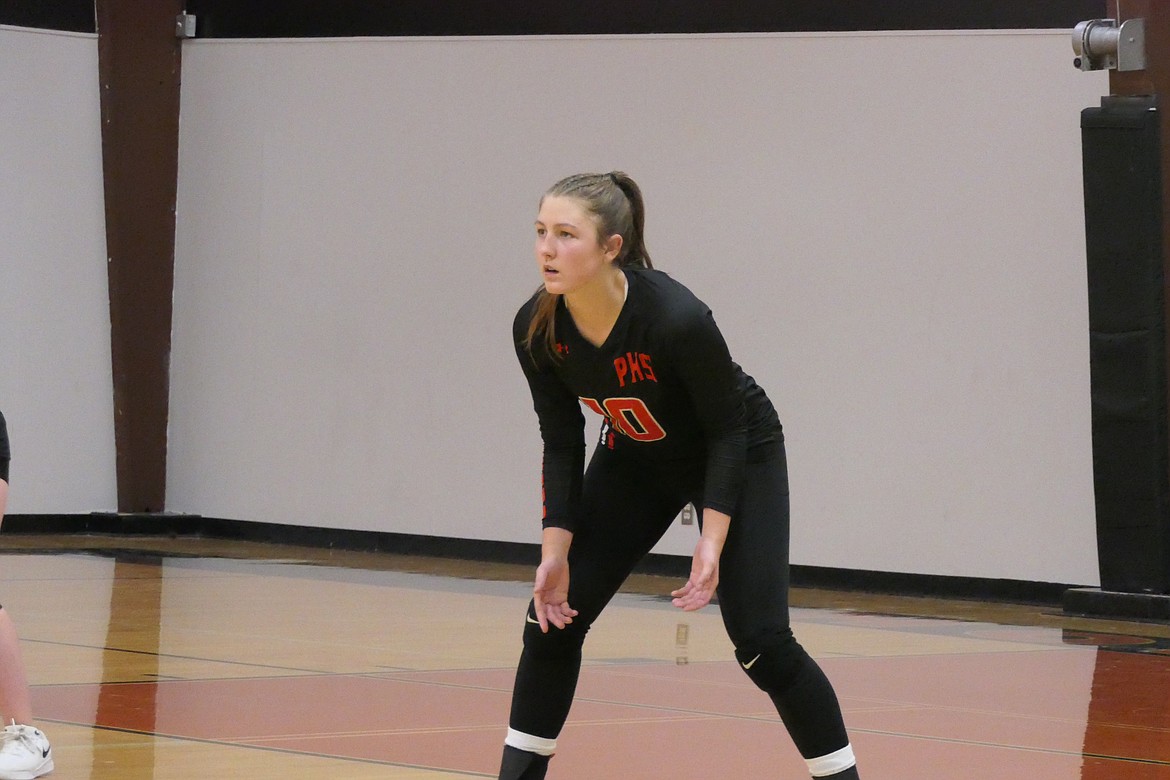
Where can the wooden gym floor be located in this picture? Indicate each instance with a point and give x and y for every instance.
(184, 658)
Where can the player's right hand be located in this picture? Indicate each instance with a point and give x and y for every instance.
(550, 594)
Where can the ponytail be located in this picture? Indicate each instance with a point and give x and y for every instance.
(634, 252)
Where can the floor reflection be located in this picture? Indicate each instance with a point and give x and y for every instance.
(1128, 729)
(131, 651)
(285, 665)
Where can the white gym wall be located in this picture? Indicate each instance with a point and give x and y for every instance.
(56, 385)
(889, 228)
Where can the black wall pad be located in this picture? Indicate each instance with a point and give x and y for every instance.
(1127, 343)
(1094, 602)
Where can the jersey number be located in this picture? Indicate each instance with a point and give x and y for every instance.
(629, 416)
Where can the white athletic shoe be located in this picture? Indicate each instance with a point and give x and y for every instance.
(24, 753)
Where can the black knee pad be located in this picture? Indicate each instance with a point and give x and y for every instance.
(772, 665)
(558, 641)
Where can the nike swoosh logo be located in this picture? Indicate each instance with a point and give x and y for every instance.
(536, 622)
(752, 662)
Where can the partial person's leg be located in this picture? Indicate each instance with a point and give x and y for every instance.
(14, 696)
(753, 599)
(24, 749)
(624, 517)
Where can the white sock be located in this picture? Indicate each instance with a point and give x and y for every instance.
(832, 763)
(530, 743)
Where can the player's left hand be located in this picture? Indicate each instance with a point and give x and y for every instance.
(700, 588)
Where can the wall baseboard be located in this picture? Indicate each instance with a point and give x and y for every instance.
(176, 525)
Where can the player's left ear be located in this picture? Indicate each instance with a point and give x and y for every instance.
(613, 247)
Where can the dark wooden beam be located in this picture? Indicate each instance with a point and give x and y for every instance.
(139, 62)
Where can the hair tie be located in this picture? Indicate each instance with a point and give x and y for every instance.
(617, 183)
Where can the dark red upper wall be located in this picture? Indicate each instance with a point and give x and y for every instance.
(345, 18)
(69, 15)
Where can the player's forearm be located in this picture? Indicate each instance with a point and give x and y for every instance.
(555, 543)
(715, 526)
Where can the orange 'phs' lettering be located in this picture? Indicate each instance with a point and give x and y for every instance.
(636, 374)
(644, 359)
(634, 366)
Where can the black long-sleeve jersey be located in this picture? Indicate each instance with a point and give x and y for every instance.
(5, 453)
(664, 384)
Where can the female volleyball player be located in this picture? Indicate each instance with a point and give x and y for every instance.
(681, 423)
(24, 750)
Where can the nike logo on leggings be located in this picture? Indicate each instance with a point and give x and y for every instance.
(751, 663)
(530, 620)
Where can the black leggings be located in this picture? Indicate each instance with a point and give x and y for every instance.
(629, 504)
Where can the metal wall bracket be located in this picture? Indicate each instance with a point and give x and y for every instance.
(185, 25)
(1100, 44)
